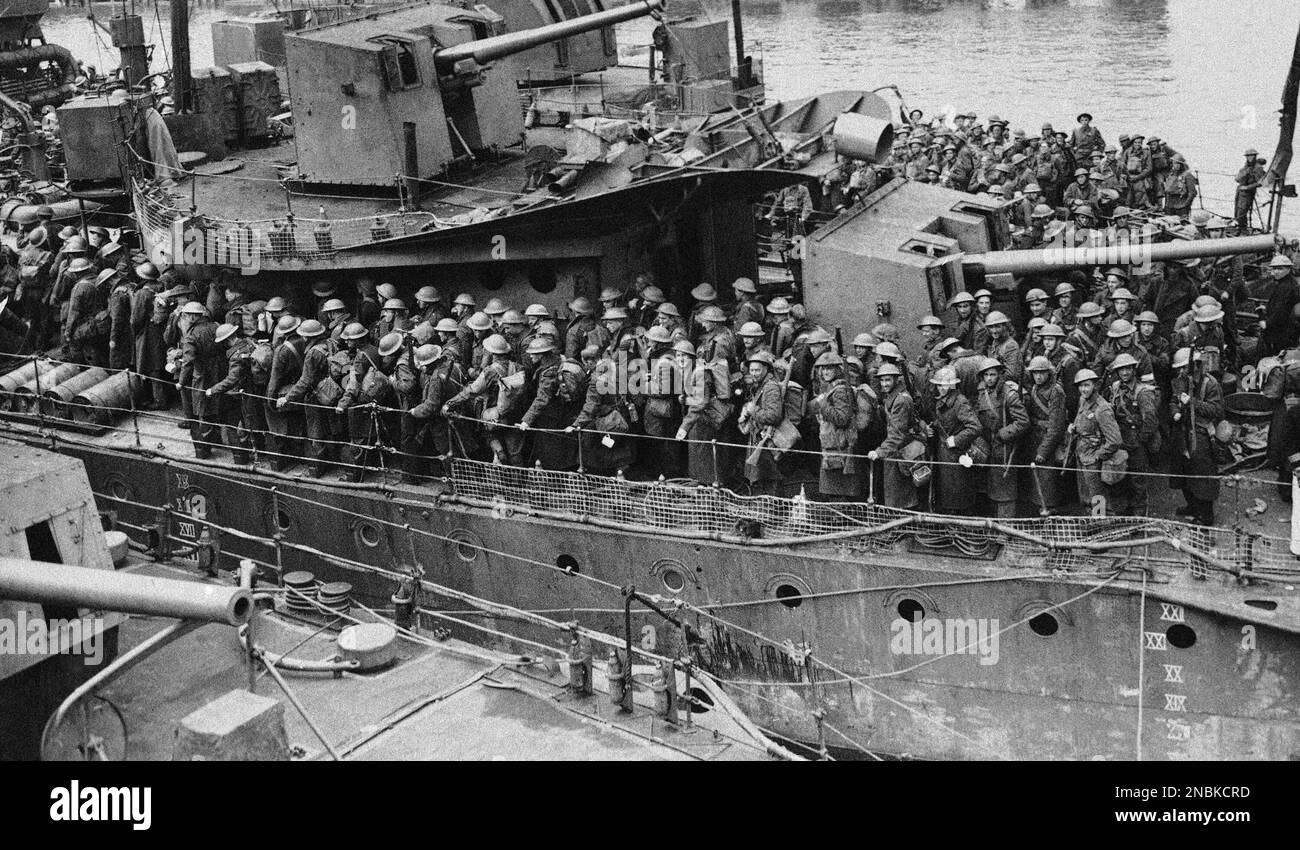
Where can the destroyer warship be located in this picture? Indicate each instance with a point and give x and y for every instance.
(1104, 637)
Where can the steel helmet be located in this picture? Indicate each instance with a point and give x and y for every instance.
(67, 232)
(549, 328)
(947, 343)
(1064, 289)
(885, 332)
(988, 363)
(996, 318)
(1089, 309)
(1117, 272)
(495, 307)
(1208, 313)
(962, 297)
(1120, 328)
(496, 344)
(106, 275)
(1037, 323)
(930, 322)
(322, 288)
(513, 317)
(1200, 218)
(1084, 210)
(1084, 375)
(818, 336)
(581, 305)
(479, 322)
(945, 377)
(609, 293)
(778, 306)
(225, 331)
(1121, 294)
(983, 293)
(1280, 261)
(1035, 295)
(79, 265)
(355, 330)
(464, 299)
(390, 343)
(275, 305)
(1042, 211)
(75, 244)
(447, 326)
(653, 295)
(765, 357)
(394, 304)
(38, 237)
(887, 369)
(332, 305)
(386, 291)
(1148, 316)
(422, 333)
(864, 340)
(428, 294)
(1123, 360)
(615, 314)
(668, 308)
(1182, 357)
(1040, 364)
(194, 308)
(712, 313)
(1033, 189)
(888, 349)
(537, 311)
(684, 346)
(1202, 300)
(704, 292)
(827, 358)
(752, 329)
(426, 354)
(310, 328)
(744, 284)
(660, 334)
(1051, 329)
(541, 345)
(146, 271)
(287, 324)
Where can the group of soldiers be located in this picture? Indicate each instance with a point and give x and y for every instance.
(1059, 170)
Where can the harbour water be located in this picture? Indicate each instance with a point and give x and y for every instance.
(1204, 74)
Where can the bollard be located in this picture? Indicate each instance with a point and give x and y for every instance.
(615, 678)
(665, 688)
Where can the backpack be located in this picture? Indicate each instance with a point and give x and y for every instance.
(260, 360)
(867, 402)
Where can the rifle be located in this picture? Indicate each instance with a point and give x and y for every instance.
(839, 341)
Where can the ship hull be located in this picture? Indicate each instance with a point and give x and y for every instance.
(1116, 679)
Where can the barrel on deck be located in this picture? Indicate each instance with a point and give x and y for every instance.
(11, 381)
(25, 396)
(102, 402)
(58, 397)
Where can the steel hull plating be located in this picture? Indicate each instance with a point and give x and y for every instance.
(1110, 682)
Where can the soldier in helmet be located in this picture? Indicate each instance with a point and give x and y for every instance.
(1089, 333)
(1095, 438)
(336, 319)
(1045, 405)
(763, 410)
(1036, 301)
(428, 305)
(669, 318)
(1004, 422)
(605, 418)
(1136, 411)
(580, 327)
(85, 330)
(716, 340)
(35, 282)
(752, 339)
(970, 330)
(748, 308)
(931, 329)
(1278, 329)
(1196, 406)
(448, 331)
(1002, 345)
(705, 296)
(361, 389)
(393, 317)
(1063, 361)
(1179, 187)
(202, 365)
(955, 428)
(780, 329)
(495, 310)
(705, 401)
(495, 397)
(1064, 314)
(1081, 192)
(151, 355)
(1249, 178)
(442, 378)
(121, 339)
(548, 410)
(901, 427)
(662, 417)
(1121, 338)
(317, 412)
(286, 424)
(1121, 306)
(1155, 344)
(472, 335)
(238, 413)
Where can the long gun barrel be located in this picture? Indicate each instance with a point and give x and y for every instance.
(1135, 253)
(486, 50)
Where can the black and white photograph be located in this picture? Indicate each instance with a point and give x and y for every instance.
(870, 381)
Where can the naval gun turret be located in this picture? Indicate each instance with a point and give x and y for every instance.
(406, 93)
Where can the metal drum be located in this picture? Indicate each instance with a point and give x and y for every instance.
(25, 396)
(863, 137)
(11, 381)
(57, 397)
(100, 403)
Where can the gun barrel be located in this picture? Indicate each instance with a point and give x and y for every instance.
(1056, 259)
(486, 50)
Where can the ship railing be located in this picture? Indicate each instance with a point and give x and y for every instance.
(688, 509)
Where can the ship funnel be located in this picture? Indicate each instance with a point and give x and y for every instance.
(863, 137)
(486, 50)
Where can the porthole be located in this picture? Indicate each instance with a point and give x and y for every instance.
(541, 277)
(119, 488)
(568, 563)
(368, 534)
(673, 580)
(1181, 636)
(672, 573)
(1044, 624)
(790, 596)
(910, 609)
(467, 543)
(282, 520)
(1262, 604)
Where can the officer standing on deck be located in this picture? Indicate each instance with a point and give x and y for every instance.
(286, 425)
(1249, 178)
(237, 411)
(202, 363)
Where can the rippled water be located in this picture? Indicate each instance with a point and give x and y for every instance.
(1206, 75)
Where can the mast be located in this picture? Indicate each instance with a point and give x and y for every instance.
(739, 29)
(1276, 177)
(181, 83)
